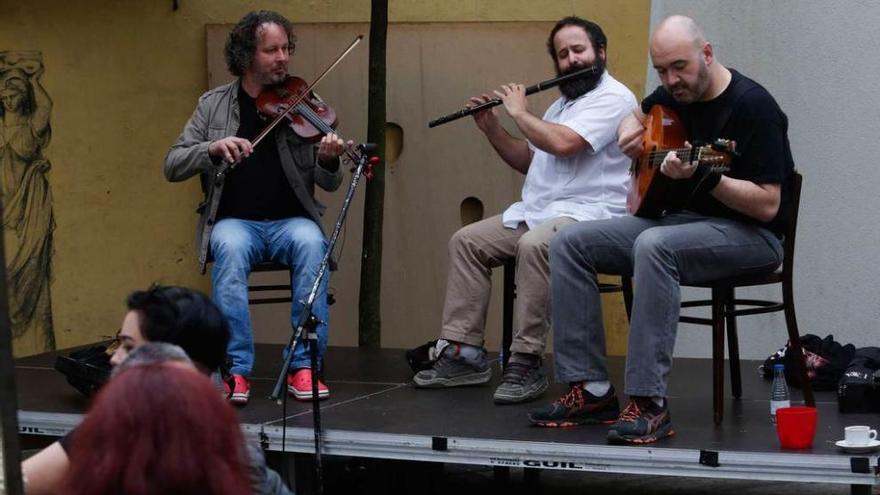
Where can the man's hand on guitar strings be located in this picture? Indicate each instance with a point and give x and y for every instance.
(674, 168)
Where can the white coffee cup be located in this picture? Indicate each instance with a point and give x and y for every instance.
(859, 435)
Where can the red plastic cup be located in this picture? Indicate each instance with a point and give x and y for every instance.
(796, 427)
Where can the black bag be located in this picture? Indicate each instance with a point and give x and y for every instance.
(859, 388)
(86, 369)
(826, 360)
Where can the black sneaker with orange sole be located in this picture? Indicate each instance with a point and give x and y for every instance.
(642, 421)
(577, 407)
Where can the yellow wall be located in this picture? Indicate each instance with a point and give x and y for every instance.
(124, 77)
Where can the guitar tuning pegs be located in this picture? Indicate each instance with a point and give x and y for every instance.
(725, 146)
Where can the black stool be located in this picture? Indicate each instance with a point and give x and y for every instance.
(625, 286)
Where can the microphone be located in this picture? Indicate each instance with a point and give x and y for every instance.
(367, 148)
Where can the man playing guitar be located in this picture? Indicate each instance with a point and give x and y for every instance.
(724, 225)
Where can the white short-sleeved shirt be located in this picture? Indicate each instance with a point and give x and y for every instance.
(591, 185)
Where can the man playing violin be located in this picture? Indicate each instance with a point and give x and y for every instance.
(730, 225)
(574, 171)
(264, 208)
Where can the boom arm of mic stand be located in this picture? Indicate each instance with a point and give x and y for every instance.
(306, 314)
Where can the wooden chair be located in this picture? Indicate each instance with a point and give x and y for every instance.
(269, 266)
(625, 286)
(724, 309)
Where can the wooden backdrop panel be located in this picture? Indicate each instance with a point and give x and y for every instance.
(432, 69)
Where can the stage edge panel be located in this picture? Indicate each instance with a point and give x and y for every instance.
(719, 464)
(777, 466)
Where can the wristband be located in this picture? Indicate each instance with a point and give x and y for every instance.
(707, 180)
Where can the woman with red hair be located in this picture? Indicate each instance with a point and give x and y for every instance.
(155, 429)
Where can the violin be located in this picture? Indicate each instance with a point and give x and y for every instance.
(294, 101)
(310, 117)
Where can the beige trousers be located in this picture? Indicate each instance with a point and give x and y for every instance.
(477, 248)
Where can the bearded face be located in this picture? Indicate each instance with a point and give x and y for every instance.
(574, 51)
(690, 89)
(272, 55)
(575, 88)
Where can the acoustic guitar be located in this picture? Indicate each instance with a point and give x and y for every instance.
(652, 192)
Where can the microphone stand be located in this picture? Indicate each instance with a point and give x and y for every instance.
(307, 320)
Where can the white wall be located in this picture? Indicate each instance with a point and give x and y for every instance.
(819, 60)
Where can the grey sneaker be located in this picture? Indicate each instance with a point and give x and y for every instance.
(457, 366)
(523, 380)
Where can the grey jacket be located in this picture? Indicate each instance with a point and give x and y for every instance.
(216, 117)
(264, 480)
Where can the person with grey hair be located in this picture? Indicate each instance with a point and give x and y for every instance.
(265, 481)
(151, 353)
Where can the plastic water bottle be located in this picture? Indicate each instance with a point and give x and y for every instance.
(778, 391)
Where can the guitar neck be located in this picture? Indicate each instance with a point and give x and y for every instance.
(684, 154)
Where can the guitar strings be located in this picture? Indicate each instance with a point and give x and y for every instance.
(688, 154)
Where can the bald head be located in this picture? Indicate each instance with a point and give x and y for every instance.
(685, 61)
(679, 29)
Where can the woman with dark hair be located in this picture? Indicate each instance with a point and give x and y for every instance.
(143, 436)
(176, 315)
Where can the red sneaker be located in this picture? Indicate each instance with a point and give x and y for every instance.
(238, 389)
(299, 383)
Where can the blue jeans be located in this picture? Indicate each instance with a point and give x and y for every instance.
(237, 245)
(660, 255)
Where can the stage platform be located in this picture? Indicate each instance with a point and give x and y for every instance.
(375, 412)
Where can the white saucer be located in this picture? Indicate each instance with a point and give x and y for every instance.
(858, 449)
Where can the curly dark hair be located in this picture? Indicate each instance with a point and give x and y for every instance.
(242, 41)
(594, 32)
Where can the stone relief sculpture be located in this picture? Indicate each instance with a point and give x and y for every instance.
(28, 222)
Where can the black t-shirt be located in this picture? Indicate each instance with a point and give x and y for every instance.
(257, 188)
(760, 130)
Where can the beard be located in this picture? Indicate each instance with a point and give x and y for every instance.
(269, 75)
(686, 93)
(272, 78)
(575, 88)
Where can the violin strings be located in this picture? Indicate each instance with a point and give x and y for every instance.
(323, 127)
(314, 118)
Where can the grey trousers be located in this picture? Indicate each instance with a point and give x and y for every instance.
(477, 248)
(660, 255)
